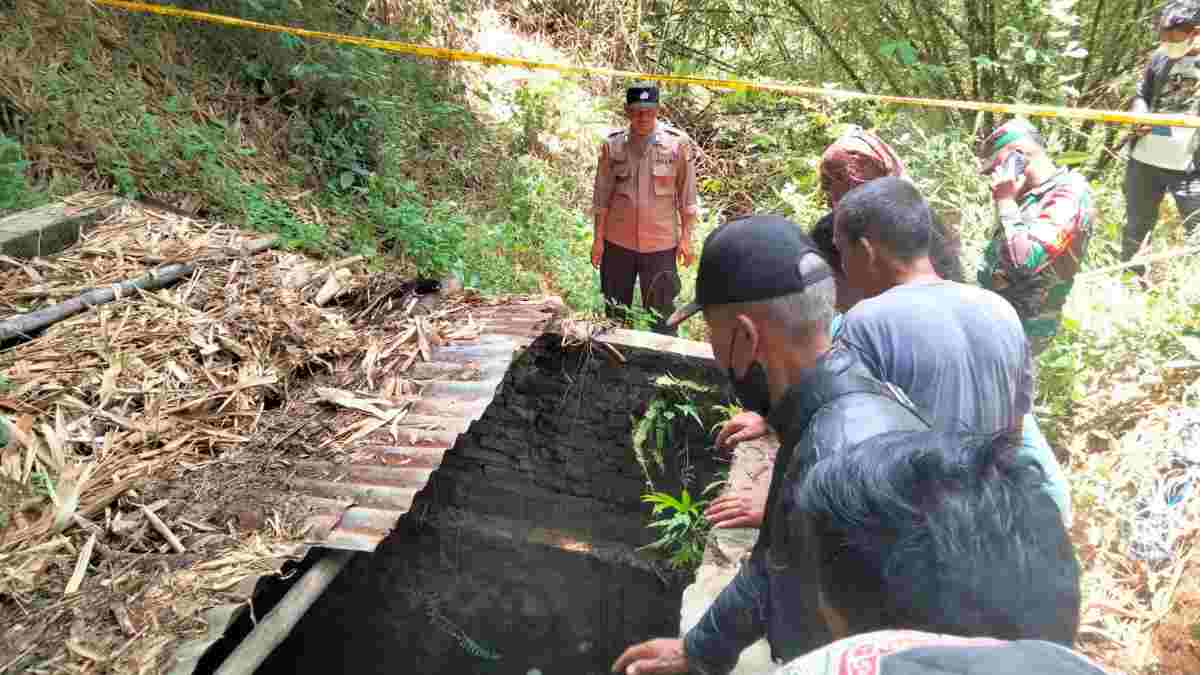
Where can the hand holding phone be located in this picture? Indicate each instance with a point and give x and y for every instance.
(1014, 165)
(1009, 177)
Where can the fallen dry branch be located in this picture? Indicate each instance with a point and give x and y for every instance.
(1140, 260)
(334, 285)
(162, 529)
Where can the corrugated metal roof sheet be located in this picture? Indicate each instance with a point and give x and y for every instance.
(358, 502)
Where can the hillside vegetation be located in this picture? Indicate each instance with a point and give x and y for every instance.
(432, 169)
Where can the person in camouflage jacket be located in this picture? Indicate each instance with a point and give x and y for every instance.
(1045, 217)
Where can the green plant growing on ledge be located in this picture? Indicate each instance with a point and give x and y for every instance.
(636, 317)
(674, 402)
(683, 527)
(724, 413)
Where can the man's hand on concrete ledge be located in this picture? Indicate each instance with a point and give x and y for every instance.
(737, 510)
(742, 427)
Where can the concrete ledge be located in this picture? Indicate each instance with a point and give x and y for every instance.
(726, 549)
(48, 229)
(663, 343)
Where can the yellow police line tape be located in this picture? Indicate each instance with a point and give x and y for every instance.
(1110, 116)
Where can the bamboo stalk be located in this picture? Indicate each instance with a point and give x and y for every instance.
(280, 621)
(23, 325)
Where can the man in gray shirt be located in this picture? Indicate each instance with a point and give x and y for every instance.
(958, 351)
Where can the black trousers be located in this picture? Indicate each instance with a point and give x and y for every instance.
(657, 274)
(1145, 187)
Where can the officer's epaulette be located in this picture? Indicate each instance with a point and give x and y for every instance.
(673, 131)
(616, 133)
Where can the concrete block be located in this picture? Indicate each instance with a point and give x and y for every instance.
(621, 337)
(48, 229)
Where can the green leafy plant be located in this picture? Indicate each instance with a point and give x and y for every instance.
(682, 527)
(42, 484)
(655, 431)
(15, 192)
(724, 413)
(637, 317)
(270, 215)
(432, 238)
(715, 486)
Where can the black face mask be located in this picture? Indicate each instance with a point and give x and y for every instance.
(751, 389)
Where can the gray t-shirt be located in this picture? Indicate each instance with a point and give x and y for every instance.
(958, 351)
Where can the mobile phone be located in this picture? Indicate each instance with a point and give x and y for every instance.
(1014, 164)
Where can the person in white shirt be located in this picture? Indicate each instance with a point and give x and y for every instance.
(1163, 159)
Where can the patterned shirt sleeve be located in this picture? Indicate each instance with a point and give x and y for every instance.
(603, 187)
(1026, 385)
(1047, 229)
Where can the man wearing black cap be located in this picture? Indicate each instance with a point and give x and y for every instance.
(768, 297)
(645, 187)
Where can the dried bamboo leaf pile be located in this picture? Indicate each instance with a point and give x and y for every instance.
(1135, 483)
(129, 418)
(163, 376)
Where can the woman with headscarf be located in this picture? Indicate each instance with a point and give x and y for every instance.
(858, 157)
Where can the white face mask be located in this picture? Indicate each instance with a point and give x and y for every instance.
(1177, 50)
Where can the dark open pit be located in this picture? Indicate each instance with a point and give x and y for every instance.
(523, 544)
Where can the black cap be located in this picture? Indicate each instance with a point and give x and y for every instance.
(642, 95)
(752, 259)
(1180, 14)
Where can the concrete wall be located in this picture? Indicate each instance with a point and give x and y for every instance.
(523, 541)
(48, 229)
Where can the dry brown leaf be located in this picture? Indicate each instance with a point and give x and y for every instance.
(373, 425)
(347, 400)
(423, 340)
(81, 565)
(67, 491)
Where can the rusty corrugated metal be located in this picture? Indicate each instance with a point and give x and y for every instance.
(357, 503)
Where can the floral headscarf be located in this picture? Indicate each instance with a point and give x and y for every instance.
(857, 157)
